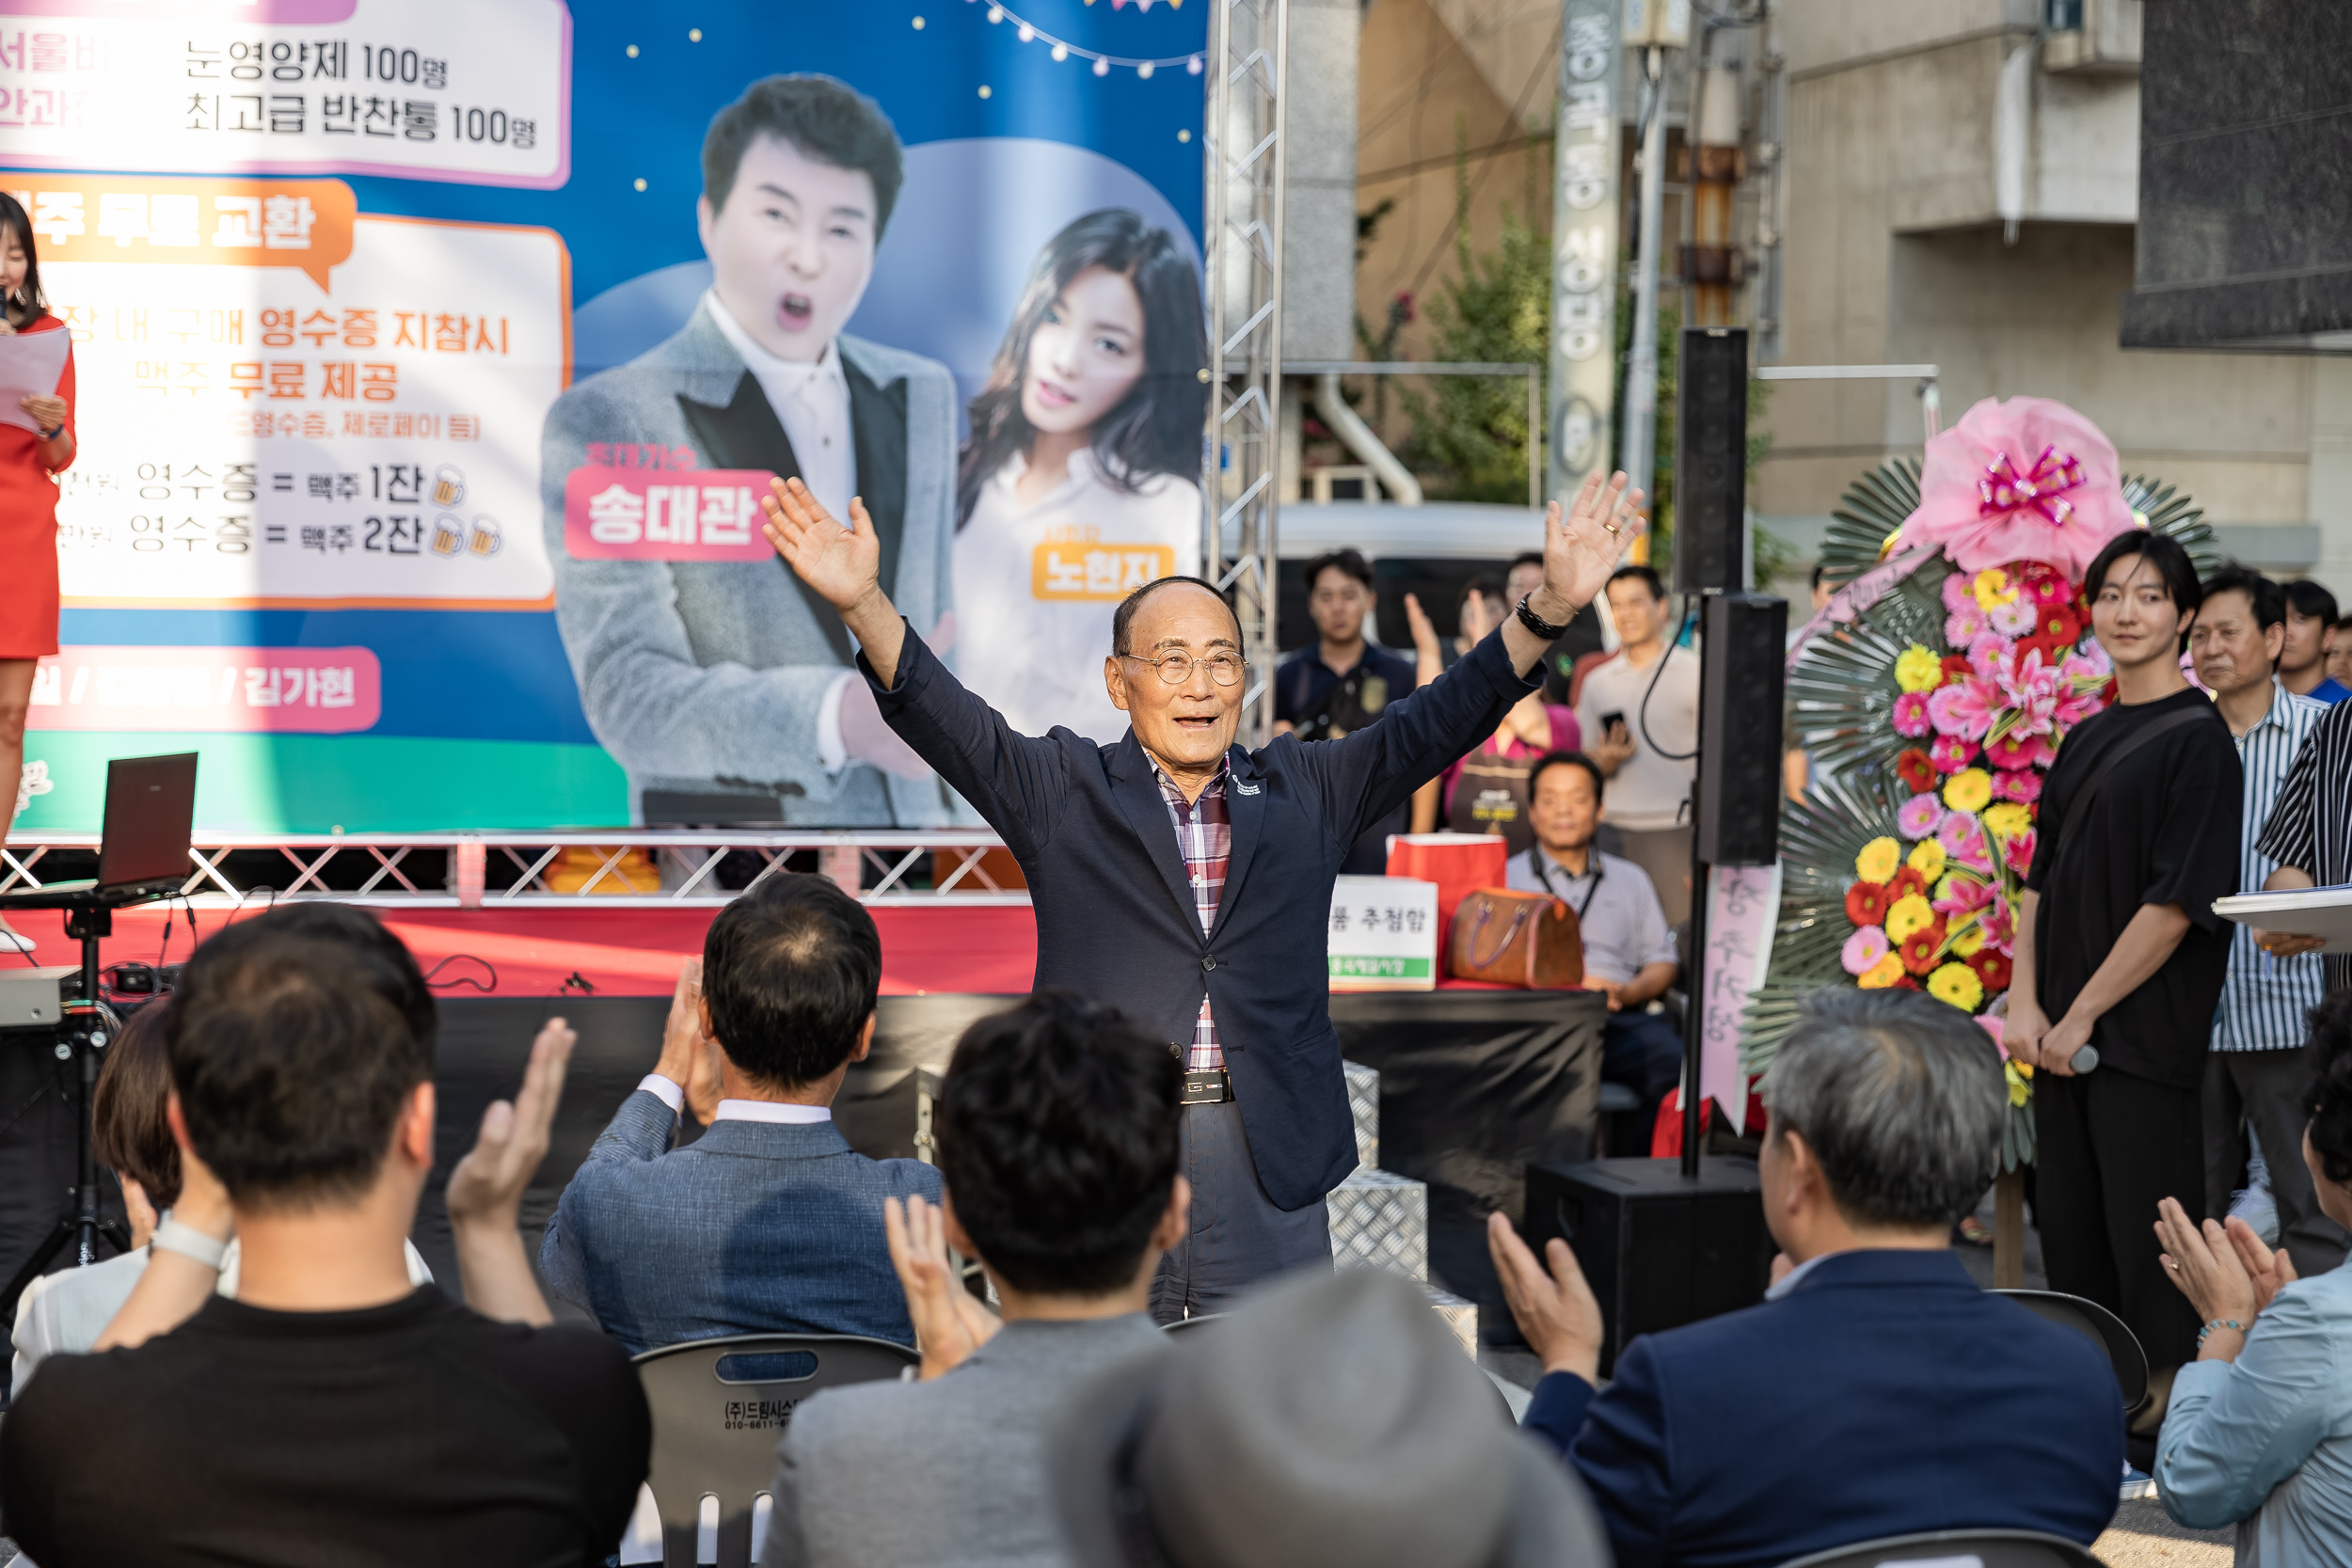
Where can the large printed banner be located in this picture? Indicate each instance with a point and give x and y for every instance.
(430, 358)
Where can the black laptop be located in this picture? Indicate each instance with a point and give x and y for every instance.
(143, 848)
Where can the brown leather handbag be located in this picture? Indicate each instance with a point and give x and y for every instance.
(1508, 937)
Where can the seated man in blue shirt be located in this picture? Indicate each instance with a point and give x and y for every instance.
(769, 1221)
(1343, 682)
(1628, 948)
(1877, 1390)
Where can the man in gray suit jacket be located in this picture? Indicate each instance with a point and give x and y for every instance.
(768, 1223)
(1057, 1136)
(716, 678)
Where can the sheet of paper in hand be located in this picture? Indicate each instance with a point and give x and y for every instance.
(2310, 911)
(30, 364)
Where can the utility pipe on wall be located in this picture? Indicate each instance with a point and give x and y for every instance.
(1358, 438)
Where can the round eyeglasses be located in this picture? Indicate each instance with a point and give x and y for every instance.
(1175, 667)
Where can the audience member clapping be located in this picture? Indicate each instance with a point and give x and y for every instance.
(2259, 1431)
(768, 1223)
(1057, 1136)
(1332, 1422)
(333, 1411)
(1877, 1390)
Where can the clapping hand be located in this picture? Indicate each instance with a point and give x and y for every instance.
(487, 1186)
(1583, 545)
(1556, 1309)
(2206, 1265)
(949, 1325)
(689, 1058)
(2268, 1271)
(1424, 630)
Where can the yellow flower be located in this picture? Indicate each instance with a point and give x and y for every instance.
(1882, 975)
(1916, 669)
(2020, 1085)
(1969, 789)
(1911, 913)
(1878, 859)
(1970, 939)
(1956, 985)
(1992, 587)
(2007, 820)
(1927, 858)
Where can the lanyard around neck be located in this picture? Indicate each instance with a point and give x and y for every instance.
(1543, 866)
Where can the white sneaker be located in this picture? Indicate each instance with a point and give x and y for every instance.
(12, 940)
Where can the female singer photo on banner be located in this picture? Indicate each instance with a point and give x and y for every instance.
(29, 461)
(1078, 483)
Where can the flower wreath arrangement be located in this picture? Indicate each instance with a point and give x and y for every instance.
(1934, 694)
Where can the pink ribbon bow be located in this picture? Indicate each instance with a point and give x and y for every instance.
(1999, 489)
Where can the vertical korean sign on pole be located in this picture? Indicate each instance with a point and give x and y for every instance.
(1584, 245)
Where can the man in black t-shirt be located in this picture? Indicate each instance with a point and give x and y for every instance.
(2118, 947)
(331, 1413)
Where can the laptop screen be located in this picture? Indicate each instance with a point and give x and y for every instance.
(150, 811)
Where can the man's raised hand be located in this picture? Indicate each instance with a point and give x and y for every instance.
(843, 564)
(1585, 544)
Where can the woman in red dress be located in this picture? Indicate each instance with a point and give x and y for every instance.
(29, 462)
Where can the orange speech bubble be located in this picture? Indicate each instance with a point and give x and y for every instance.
(304, 224)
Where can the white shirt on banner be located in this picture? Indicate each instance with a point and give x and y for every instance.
(1036, 586)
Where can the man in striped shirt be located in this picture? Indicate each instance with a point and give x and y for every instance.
(2310, 831)
(2255, 1073)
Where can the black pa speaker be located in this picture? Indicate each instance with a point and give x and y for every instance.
(1739, 728)
(1711, 461)
(1658, 1250)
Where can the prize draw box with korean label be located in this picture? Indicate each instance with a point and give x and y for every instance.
(1383, 934)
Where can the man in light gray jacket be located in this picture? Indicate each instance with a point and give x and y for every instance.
(1057, 1142)
(711, 677)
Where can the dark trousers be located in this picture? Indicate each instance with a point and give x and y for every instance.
(2109, 1146)
(1237, 1237)
(2266, 1089)
(1643, 1052)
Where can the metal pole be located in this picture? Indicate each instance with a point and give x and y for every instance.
(1639, 456)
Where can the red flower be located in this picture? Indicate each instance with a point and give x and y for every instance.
(2053, 650)
(1865, 904)
(2108, 692)
(1956, 667)
(1904, 982)
(1915, 770)
(1919, 949)
(1904, 883)
(1991, 968)
(2057, 624)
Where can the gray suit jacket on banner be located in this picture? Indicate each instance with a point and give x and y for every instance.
(706, 677)
(911, 1475)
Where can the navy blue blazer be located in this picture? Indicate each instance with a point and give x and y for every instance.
(1884, 1394)
(1115, 917)
(755, 1227)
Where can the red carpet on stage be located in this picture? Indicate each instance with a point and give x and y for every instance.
(990, 949)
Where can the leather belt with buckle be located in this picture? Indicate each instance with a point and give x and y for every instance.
(1212, 1087)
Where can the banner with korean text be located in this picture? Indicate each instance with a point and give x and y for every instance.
(431, 356)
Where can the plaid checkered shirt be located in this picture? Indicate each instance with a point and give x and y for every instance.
(1204, 836)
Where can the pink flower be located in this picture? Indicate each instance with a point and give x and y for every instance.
(1957, 829)
(1964, 895)
(1911, 714)
(1964, 708)
(2021, 784)
(1864, 950)
(2089, 660)
(2013, 618)
(1950, 754)
(2050, 592)
(1919, 816)
(2014, 750)
(1998, 923)
(1957, 590)
(1989, 656)
(2018, 851)
(1992, 1026)
(1965, 625)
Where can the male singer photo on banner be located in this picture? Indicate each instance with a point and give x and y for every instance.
(1186, 879)
(728, 677)
(36, 443)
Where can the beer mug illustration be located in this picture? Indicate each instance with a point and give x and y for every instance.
(449, 535)
(449, 485)
(486, 541)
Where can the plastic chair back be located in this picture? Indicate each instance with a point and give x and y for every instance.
(719, 1407)
(2102, 1328)
(1956, 1548)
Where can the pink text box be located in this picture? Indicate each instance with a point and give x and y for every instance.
(268, 690)
(664, 515)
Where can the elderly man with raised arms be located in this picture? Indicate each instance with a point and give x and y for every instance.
(1186, 879)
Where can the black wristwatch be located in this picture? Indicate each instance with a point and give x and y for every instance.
(1537, 624)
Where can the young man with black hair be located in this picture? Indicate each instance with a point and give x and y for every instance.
(2257, 1071)
(1059, 1137)
(2311, 636)
(1640, 724)
(332, 1412)
(1343, 682)
(769, 1221)
(718, 678)
(2118, 947)
(1629, 952)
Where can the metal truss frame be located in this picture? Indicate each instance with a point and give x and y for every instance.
(1248, 43)
(685, 857)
